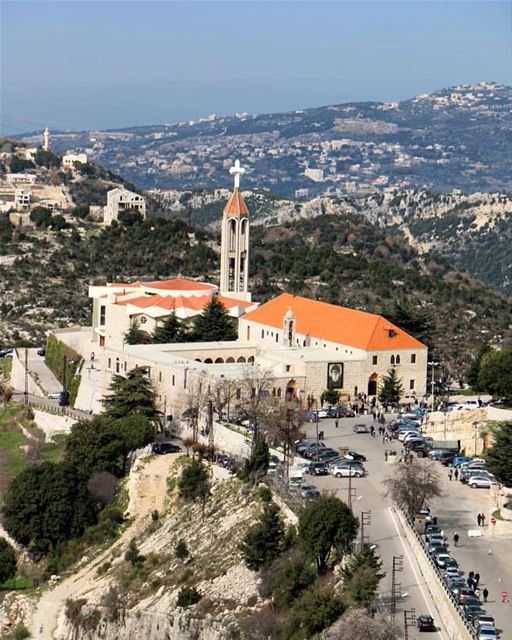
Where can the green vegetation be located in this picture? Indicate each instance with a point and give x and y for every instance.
(56, 353)
(391, 389)
(213, 324)
(194, 483)
(188, 596)
(135, 335)
(263, 543)
(7, 560)
(257, 466)
(131, 395)
(495, 373)
(499, 456)
(168, 332)
(413, 485)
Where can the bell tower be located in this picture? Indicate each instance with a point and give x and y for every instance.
(234, 250)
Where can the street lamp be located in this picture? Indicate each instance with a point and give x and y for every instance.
(433, 364)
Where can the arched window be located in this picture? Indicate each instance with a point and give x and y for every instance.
(219, 360)
(230, 359)
(232, 234)
(240, 359)
(117, 365)
(397, 359)
(198, 360)
(250, 359)
(392, 360)
(208, 361)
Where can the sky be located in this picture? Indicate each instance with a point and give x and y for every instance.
(94, 65)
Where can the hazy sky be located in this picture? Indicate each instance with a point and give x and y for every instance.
(89, 64)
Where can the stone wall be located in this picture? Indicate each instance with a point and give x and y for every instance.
(446, 604)
(226, 439)
(79, 339)
(52, 424)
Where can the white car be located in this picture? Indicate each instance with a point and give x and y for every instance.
(54, 395)
(480, 482)
(345, 472)
(487, 634)
(403, 434)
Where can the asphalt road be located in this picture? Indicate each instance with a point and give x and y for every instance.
(383, 531)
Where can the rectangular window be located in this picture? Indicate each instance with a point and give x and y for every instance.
(102, 315)
(413, 358)
(263, 333)
(375, 359)
(277, 337)
(288, 367)
(238, 394)
(109, 363)
(411, 384)
(159, 376)
(173, 380)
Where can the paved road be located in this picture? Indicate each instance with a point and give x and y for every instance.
(383, 531)
(53, 405)
(39, 371)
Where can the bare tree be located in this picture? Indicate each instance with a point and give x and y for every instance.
(256, 385)
(223, 393)
(413, 485)
(195, 398)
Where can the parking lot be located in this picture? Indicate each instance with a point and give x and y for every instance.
(457, 511)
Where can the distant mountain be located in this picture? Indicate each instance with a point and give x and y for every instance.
(456, 138)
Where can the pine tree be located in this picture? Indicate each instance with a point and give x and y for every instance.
(135, 335)
(499, 456)
(169, 332)
(391, 389)
(263, 543)
(213, 324)
(131, 395)
(257, 465)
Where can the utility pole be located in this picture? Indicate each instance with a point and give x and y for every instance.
(433, 364)
(316, 421)
(64, 367)
(409, 621)
(287, 444)
(25, 393)
(396, 588)
(209, 421)
(365, 521)
(351, 490)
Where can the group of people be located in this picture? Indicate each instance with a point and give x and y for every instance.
(453, 473)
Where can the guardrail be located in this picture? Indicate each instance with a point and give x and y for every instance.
(457, 605)
(59, 411)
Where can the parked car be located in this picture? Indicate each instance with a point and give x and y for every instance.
(317, 469)
(459, 460)
(345, 472)
(41, 351)
(487, 634)
(6, 353)
(54, 395)
(484, 619)
(441, 559)
(313, 416)
(435, 454)
(425, 623)
(466, 594)
(481, 482)
(360, 428)
(329, 454)
(309, 491)
(64, 399)
(164, 447)
(352, 455)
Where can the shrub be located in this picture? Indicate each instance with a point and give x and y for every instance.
(133, 555)
(7, 560)
(188, 596)
(182, 551)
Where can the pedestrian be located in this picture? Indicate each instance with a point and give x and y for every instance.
(479, 519)
(372, 431)
(336, 423)
(477, 579)
(470, 582)
(386, 455)
(482, 519)
(485, 594)
(504, 596)
(477, 592)
(471, 575)
(455, 539)
(450, 475)
(456, 474)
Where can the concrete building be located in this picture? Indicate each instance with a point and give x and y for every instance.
(119, 200)
(69, 160)
(22, 199)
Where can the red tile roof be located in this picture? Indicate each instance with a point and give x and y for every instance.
(196, 303)
(236, 205)
(178, 284)
(336, 324)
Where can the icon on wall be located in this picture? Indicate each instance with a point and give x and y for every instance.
(335, 375)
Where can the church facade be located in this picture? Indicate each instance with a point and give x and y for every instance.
(304, 347)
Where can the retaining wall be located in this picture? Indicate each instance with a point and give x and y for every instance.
(447, 605)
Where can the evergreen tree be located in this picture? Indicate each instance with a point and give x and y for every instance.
(7, 560)
(169, 332)
(194, 483)
(263, 543)
(135, 335)
(499, 456)
(362, 574)
(257, 465)
(213, 324)
(131, 395)
(415, 321)
(325, 526)
(391, 389)
(474, 368)
(495, 373)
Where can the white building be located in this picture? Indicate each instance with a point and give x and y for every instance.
(317, 175)
(119, 200)
(22, 199)
(69, 159)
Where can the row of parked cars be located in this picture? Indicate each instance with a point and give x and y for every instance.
(471, 471)
(469, 602)
(325, 460)
(333, 412)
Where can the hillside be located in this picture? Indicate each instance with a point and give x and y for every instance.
(455, 138)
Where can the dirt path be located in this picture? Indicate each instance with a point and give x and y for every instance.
(147, 489)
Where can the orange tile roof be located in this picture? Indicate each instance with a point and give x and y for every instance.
(333, 323)
(181, 302)
(132, 285)
(178, 284)
(236, 205)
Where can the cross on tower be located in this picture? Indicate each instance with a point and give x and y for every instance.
(237, 170)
